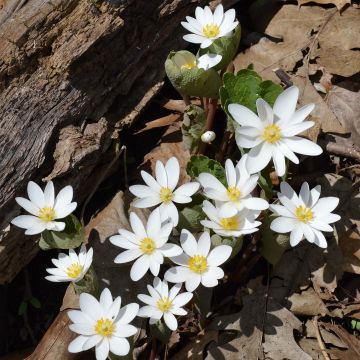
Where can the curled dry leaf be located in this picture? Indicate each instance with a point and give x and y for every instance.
(338, 3)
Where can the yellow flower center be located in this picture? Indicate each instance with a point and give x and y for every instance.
(164, 304)
(74, 270)
(189, 65)
(47, 214)
(147, 245)
(304, 214)
(211, 30)
(272, 133)
(104, 327)
(231, 223)
(165, 194)
(233, 193)
(198, 264)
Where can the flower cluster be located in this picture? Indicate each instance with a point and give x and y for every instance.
(231, 205)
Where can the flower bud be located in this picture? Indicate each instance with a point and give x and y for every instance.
(192, 77)
(208, 137)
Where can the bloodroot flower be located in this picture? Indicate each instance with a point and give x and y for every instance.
(44, 208)
(149, 246)
(304, 216)
(208, 26)
(198, 264)
(162, 190)
(163, 303)
(71, 267)
(103, 325)
(272, 134)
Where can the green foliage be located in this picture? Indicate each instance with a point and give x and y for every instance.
(89, 284)
(235, 243)
(190, 217)
(35, 302)
(200, 163)
(193, 126)
(273, 244)
(245, 88)
(355, 324)
(225, 46)
(23, 308)
(70, 238)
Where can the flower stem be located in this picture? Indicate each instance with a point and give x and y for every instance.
(212, 107)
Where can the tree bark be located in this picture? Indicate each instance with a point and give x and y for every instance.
(72, 74)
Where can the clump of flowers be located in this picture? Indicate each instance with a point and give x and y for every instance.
(195, 227)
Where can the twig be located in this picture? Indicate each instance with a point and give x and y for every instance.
(153, 350)
(344, 149)
(283, 76)
(100, 180)
(265, 309)
(171, 104)
(224, 144)
(186, 99)
(319, 339)
(26, 298)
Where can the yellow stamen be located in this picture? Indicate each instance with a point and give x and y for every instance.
(165, 194)
(189, 65)
(164, 304)
(233, 193)
(231, 223)
(74, 270)
(47, 214)
(304, 214)
(198, 264)
(104, 327)
(147, 245)
(272, 133)
(211, 30)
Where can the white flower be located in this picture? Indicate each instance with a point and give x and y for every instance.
(208, 137)
(272, 134)
(187, 60)
(305, 215)
(162, 190)
(198, 264)
(237, 194)
(103, 325)
(207, 27)
(45, 208)
(164, 303)
(71, 267)
(243, 222)
(148, 246)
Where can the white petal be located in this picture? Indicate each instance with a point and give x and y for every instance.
(77, 344)
(218, 14)
(64, 197)
(119, 346)
(194, 38)
(302, 113)
(280, 210)
(142, 191)
(114, 309)
(147, 299)
(285, 103)
(209, 181)
(208, 61)
(91, 307)
(106, 299)
(258, 157)
(320, 225)
(228, 209)
(219, 255)
(279, 161)
(137, 225)
(77, 316)
(264, 111)
(174, 291)
(230, 173)
(65, 210)
(296, 235)
(188, 242)
(181, 199)
(150, 311)
(154, 268)
(304, 193)
(127, 313)
(177, 274)
(120, 241)
(25, 221)
(161, 176)
(320, 239)
(127, 256)
(182, 299)
(102, 349)
(125, 330)
(181, 259)
(150, 181)
(49, 194)
(92, 341)
(153, 224)
(209, 281)
(289, 193)
(255, 203)
(330, 218)
(178, 311)
(170, 321)
(169, 211)
(187, 189)
(325, 205)
(295, 129)
(147, 202)
(303, 146)
(192, 282)
(308, 233)
(247, 142)
(139, 268)
(189, 26)
(200, 16)
(83, 329)
(172, 168)
(283, 224)
(206, 43)
(314, 195)
(28, 206)
(37, 228)
(35, 194)
(287, 152)
(169, 250)
(244, 116)
(203, 245)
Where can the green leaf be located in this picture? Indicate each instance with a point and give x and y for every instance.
(89, 284)
(35, 302)
(355, 324)
(190, 217)
(160, 331)
(23, 308)
(200, 163)
(193, 126)
(71, 237)
(273, 244)
(245, 88)
(235, 242)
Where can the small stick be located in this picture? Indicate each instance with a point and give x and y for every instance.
(186, 99)
(319, 339)
(344, 149)
(224, 144)
(283, 76)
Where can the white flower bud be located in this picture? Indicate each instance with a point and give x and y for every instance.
(208, 136)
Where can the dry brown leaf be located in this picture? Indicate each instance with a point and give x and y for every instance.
(307, 303)
(338, 3)
(161, 122)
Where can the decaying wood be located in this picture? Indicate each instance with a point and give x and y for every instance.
(72, 74)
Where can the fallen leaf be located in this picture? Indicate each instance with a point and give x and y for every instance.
(307, 303)
(338, 3)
